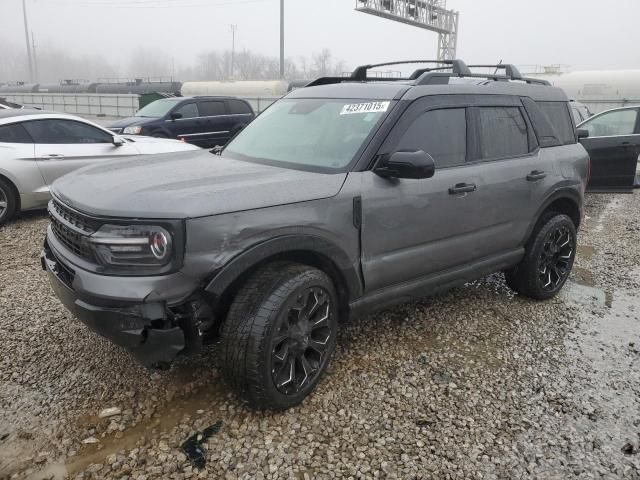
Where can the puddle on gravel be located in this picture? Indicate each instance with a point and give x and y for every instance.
(607, 346)
(163, 421)
(612, 207)
(582, 276)
(586, 252)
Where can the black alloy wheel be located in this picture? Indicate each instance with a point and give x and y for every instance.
(548, 258)
(301, 344)
(555, 259)
(279, 335)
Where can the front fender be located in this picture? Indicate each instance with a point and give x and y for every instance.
(314, 246)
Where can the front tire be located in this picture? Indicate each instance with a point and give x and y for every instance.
(279, 335)
(548, 258)
(8, 201)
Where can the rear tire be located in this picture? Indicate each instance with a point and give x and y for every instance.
(548, 258)
(279, 335)
(8, 201)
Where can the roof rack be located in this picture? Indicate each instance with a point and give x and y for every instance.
(458, 67)
(509, 70)
(434, 75)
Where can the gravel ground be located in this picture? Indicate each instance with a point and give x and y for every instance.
(477, 383)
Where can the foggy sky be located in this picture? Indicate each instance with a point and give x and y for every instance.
(581, 33)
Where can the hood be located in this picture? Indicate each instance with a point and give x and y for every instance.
(188, 184)
(131, 122)
(150, 145)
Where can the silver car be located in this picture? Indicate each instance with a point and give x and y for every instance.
(38, 147)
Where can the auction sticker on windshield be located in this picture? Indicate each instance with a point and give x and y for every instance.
(369, 107)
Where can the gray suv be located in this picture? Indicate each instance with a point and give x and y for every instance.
(347, 195)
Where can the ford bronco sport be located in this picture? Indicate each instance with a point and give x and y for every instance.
(344, 196)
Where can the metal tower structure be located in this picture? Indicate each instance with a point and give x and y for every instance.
(431, 15)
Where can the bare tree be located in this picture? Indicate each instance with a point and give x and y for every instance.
(149, 62)
(322, 63)
(13, 66)
(56, 64)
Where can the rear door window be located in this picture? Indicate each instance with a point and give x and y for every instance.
(188, 110)
(212, 108)
(440, 133)
(14, 133)
(503, 133)
(558, 115)
(238, 107)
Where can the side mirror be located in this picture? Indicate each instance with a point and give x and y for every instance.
(583, 133)
(411, 165)
(118, 141)
(175, 116)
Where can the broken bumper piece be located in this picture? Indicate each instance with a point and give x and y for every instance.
(133, 326)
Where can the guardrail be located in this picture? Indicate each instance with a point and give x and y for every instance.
(100, 104)
(95, 104)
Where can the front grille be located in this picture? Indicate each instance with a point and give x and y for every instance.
(65, 274)
(72, 228)
(87, 224)
(116, 130)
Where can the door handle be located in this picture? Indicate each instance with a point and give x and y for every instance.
(535, 176)
(462, 188)
(52, 156)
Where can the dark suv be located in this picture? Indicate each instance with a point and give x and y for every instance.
(344, 196)
(204, 121)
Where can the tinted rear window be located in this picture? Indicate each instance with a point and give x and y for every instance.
(238, 107)
(14, 133)
(558, 116)
(211, 109)
(440, 133)
(503, 133)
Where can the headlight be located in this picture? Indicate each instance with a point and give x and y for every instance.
(132, 246)
(132, 130)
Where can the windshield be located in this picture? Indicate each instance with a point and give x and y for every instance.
(319, 134)
(156, 109)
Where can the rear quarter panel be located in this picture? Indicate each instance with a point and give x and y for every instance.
(569, 168)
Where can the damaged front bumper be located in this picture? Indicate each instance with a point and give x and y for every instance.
(144, 327)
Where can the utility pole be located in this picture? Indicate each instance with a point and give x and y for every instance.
(26, 35)
(233, 48)
(282, 39)
(35, 58)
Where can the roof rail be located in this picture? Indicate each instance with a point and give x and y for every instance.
(431, 77)
(458, 67)
(510, 70)
(436, 75)
(513, 73)
(326, 81)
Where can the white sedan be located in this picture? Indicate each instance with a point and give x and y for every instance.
(38, 147)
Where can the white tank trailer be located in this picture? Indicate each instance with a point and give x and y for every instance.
(600, 89)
